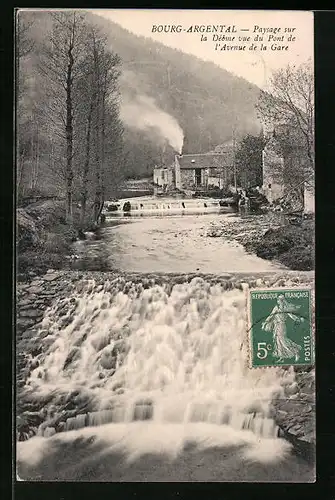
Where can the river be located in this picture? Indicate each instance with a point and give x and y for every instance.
(147, 379)
(167, 244)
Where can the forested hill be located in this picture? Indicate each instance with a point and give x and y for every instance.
(203, 98)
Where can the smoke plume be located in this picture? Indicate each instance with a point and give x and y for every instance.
(143, 114)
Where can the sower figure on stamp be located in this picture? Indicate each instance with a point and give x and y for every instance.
(284, 348)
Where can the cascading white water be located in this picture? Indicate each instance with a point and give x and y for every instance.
(168, 206)
(171, 354)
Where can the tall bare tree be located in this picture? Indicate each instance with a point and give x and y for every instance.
(24, 45)
(98, 123)
(290, 103)
(61, 64)
(105, 112)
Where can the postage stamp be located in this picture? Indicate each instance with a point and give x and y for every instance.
(280, 327)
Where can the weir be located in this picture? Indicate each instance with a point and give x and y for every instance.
(168, 206)
(162, 351)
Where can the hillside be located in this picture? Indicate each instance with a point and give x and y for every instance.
(179, 94)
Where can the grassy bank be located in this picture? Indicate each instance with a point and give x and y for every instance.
(271, 237)
(290, 245)
(43, 238)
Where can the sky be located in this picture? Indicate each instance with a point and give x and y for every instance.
(255, 66)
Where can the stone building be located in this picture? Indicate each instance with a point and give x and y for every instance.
(164, 177)
(273, 170)
(203, 171)
(285, 169)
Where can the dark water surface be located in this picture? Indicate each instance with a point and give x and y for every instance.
(80, 460)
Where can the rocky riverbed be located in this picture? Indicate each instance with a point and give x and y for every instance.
(270, 236)
(295, 413)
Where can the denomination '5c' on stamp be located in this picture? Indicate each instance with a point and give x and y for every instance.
(280, 327)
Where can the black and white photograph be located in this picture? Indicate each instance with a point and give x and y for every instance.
(164, 181)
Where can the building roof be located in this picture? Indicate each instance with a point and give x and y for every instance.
(207, 160)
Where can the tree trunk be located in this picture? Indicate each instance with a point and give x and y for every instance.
(31, 183)
(98, 190)
(102, 152)
(98, 187)
(84, 193)
(21, 170)
(36, 167)
(69, 137)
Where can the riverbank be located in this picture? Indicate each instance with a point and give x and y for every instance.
(270, 237)
(294, 412)
(44, 239)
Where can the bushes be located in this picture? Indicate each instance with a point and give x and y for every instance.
(56, 243)
(293, 246)
(48, 213)
(27, 234)
(43, 237)
(38, 262)
(275, 242)
(300, 258)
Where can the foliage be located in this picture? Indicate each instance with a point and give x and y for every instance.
(291, 245)
(249, 160)
(204, 98)
(27, 234)
(43, 237)
(288, 107)
(69, 131)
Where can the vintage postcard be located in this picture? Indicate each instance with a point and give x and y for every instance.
(165, 246)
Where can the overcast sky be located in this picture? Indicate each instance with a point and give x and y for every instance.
(254, 66)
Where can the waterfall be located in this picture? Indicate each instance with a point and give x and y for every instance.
(170, 357)
(169, 206)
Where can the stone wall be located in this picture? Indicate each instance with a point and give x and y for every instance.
(295, 413)
(163, 176)
(187, 178)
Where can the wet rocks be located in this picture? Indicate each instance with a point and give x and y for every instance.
(108, 361)
(35, 335)
(101, 342)
(49, 432)
(35, 289)
(31, 313)
(295, 413)
(51, 276)
(67, 320)
(23, 323)
(72, 356)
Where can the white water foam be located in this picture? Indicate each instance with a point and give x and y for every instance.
(141, 438)
(176, 354)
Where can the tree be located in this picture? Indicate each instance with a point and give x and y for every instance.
(289, 107)
(61, 65)
(23, 47)
(98, 123)
(107, 112)
(249, 160)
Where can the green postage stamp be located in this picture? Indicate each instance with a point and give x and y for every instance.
(280, 327)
